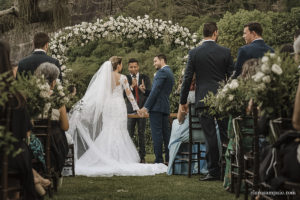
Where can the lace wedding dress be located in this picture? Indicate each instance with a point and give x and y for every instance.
(111, 151)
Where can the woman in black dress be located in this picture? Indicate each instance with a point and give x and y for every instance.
(20, 125)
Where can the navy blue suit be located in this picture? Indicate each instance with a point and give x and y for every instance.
(212, 64)
(158, 106)
(255, 49)
(30, 63)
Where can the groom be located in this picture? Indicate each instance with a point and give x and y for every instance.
(158, 107)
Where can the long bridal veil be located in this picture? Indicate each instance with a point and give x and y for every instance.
(85, 117)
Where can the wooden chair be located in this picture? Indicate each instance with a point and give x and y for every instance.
(243, 129)
(223, 161)
(251, 160)
(42, 130)
(70, 159)
(7, 175)
(196, 137)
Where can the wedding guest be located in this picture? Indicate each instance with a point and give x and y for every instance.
(180, 134)
(158, 107)
(255, 46)
(135, 79)
(210, 71)
(20, 125)
(39, 55)
(60, 122)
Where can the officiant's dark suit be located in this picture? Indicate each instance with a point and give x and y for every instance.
(212, 63)
(255, 48)
(30, 63)
(158, 106)
(140, 98)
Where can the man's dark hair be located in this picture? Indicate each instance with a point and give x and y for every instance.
(254, 26)
(162, 56)
(133, 60)
(297, 33)
(209, 29)
(40, 40)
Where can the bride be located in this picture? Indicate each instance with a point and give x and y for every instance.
(98, 125)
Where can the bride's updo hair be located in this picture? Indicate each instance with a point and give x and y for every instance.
(115, 61)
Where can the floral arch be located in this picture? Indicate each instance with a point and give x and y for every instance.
(121, 27)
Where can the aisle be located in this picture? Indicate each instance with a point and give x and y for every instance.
(159, 187)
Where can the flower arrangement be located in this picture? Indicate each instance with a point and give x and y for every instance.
(273, 88)
(229, 99)
(37, 92)
(126, 28)
(274, 85)
(60, 95)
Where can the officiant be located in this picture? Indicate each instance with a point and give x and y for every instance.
(135, 79)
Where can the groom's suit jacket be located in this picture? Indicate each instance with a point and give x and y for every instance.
(255, 49)
(212, 63)
(142, 96)
(158, 100)
(31, 62)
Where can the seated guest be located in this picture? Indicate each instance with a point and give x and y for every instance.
(20, 125)
(60, 122)
(179, 134)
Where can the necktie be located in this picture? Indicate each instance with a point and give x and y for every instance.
(136, 92)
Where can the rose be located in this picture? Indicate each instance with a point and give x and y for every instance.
(276, 69)
(266, 79)
(61, 93)
(258, 76)
(234, 84)
(230, 97)
(265, 68)
(265, 59)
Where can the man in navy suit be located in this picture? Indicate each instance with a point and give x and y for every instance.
(212, 64)
(255, 46)
(158, 107)
(39, 55)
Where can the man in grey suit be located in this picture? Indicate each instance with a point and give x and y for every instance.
(255, 46)
(39, 55)
(211, 63)
(135, 80)
(158, 107)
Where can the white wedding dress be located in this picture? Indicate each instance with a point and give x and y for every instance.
(111, 151)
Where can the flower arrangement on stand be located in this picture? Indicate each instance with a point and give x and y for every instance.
(60, 95)
(37, 92)
(230, 99)
(274, 85)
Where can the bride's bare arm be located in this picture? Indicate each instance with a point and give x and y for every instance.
(129, 94)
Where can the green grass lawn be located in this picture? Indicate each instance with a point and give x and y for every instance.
(159, 187)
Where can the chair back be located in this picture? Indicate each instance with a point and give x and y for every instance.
(279, 126)
(195, 130)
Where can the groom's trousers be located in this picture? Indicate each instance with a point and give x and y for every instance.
(159, 123)
(211, 141)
